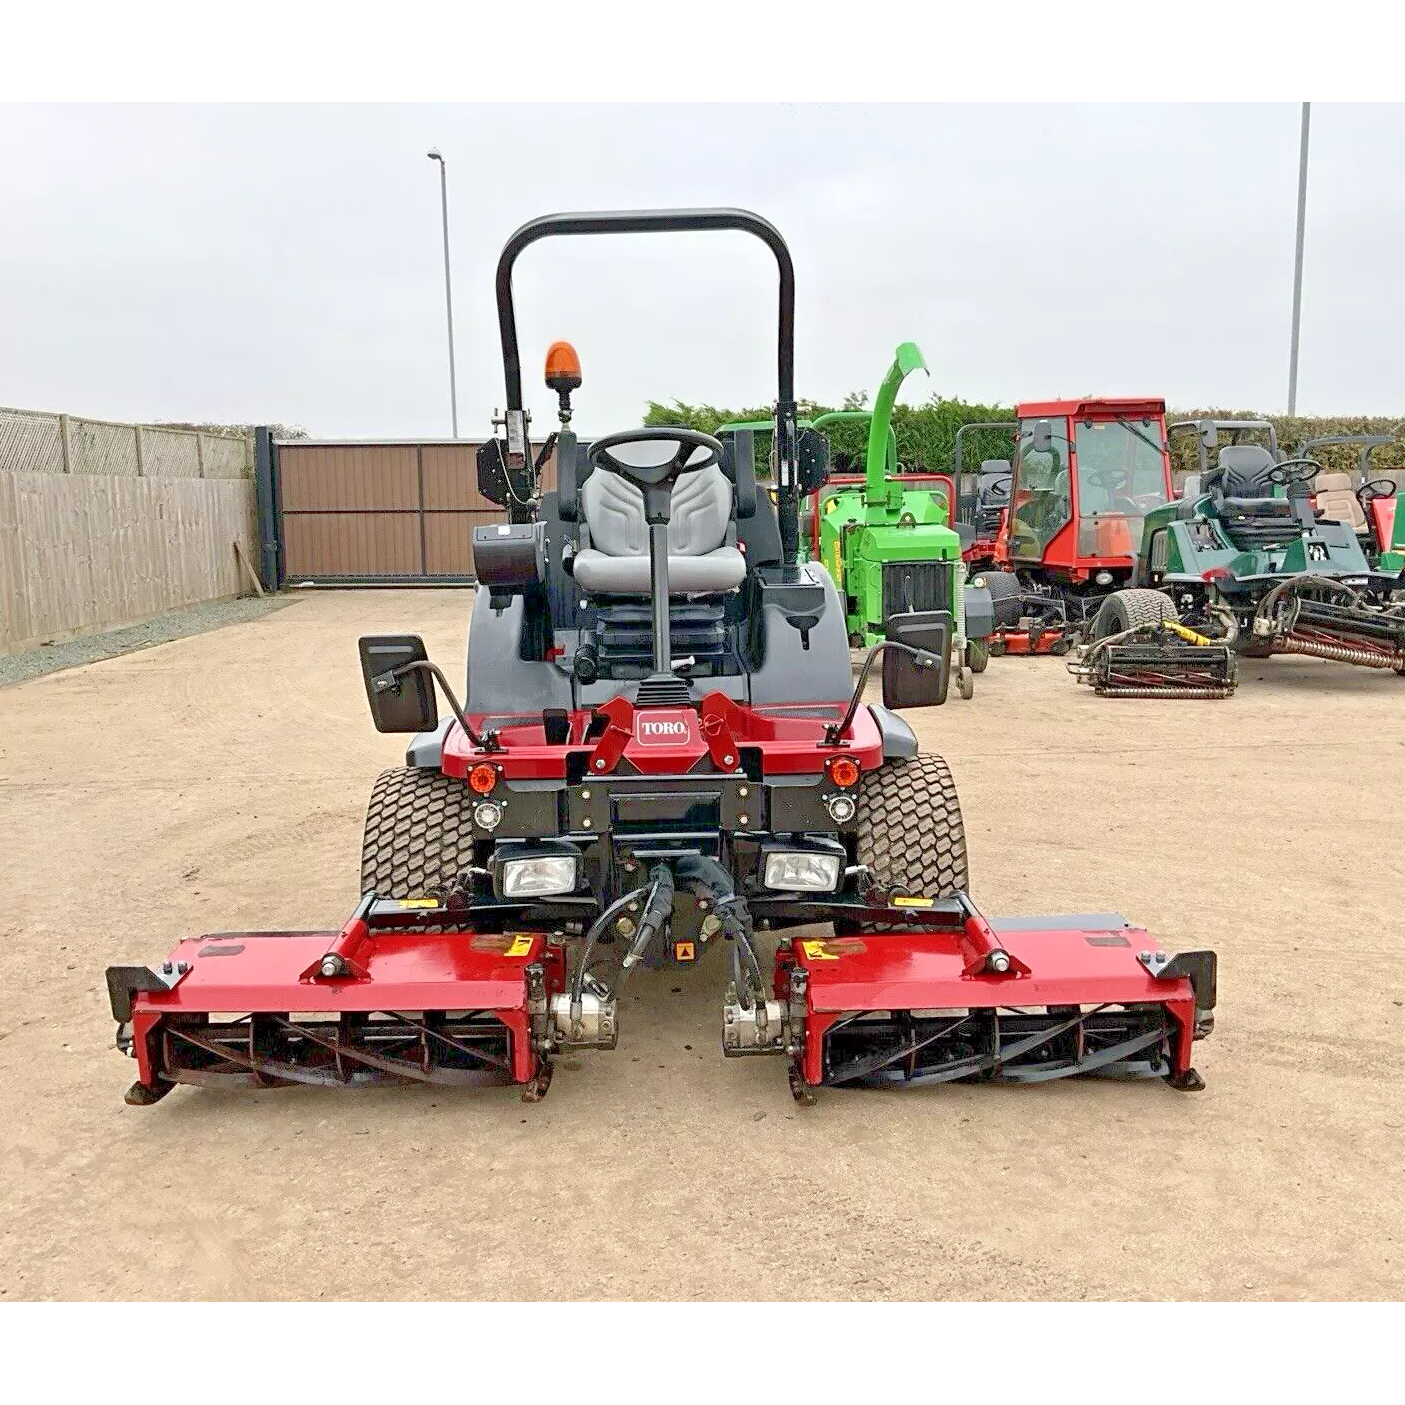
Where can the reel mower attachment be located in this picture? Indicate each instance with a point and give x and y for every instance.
(406, 991)
(1162, 659)
(955, 998)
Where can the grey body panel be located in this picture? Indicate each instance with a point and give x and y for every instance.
(899, 740)
(499, 680)
(791, 673)
(979, 620)
(427, 748)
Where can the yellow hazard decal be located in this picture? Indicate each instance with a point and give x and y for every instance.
(913, 902)
(521, 946)
(819, 951)
(419, 902)
(683, 951)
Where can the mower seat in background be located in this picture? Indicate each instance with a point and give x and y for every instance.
(1337, 503)
(702, 558)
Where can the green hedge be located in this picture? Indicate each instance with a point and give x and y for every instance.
(927, 433)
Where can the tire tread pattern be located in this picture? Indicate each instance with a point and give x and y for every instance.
(910, 831)
(419, 833)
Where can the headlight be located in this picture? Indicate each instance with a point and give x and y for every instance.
(539, 877)
(802, 872)
(1103, 578)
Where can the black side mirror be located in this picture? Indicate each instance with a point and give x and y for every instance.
(401, 701)
(905, 682)
(1043, 437)
(813, 449)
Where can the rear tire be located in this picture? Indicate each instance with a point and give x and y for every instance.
(1126, 609)
(1005, 591)
(419, 833)
(911, 834)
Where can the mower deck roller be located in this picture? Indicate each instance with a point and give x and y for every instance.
(595, 805)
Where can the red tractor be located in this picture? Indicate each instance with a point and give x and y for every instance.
(1084, 475)
(661, 757)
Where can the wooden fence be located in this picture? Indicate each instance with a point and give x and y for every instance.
(85, 552)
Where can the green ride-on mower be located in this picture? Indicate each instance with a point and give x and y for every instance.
(660, 757)
(886, 537)
(1241, 564)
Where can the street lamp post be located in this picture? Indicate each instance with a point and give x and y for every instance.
(1298, 264)
(434, 155)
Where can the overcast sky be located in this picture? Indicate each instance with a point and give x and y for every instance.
(284, 263)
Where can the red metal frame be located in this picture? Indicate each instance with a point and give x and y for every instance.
(254, 972)
(794, 745)
(935, 971)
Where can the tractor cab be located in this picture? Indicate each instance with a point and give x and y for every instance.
(1084, 475)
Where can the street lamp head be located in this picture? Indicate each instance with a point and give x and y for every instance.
(434, 154)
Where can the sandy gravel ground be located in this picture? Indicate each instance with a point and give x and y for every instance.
(219, 782)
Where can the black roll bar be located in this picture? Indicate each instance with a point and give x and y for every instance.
(659, 222)
(646, 222)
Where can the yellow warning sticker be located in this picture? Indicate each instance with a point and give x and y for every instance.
(819, 951)
(521, 946)
(682, 951)
(913, 902)
(419, 902)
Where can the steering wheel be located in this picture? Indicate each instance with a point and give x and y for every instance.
(1376, 488)
(652, 463)
(1280, 475)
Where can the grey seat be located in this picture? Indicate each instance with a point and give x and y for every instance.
(701, 556)
(1244, 470)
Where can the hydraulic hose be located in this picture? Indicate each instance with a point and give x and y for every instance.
(597, 929)
(708, 879)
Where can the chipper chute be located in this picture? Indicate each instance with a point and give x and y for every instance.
(605, 799)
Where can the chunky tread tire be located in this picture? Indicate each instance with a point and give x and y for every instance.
(1005, 591)
(419, 833)
(1126, 609)
(910, 831)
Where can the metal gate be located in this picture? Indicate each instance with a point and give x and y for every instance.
(358, 512)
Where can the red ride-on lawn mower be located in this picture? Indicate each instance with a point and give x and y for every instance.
(661, 752)
(1084, 475)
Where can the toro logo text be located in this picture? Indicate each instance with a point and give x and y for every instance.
(661, 729)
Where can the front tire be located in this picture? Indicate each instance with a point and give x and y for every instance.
(910, 832)
(419, 834)
(1005, 591)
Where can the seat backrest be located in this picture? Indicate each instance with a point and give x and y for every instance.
(701, 509)
(1337, 503)
(995, 481)
(1244, 470)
